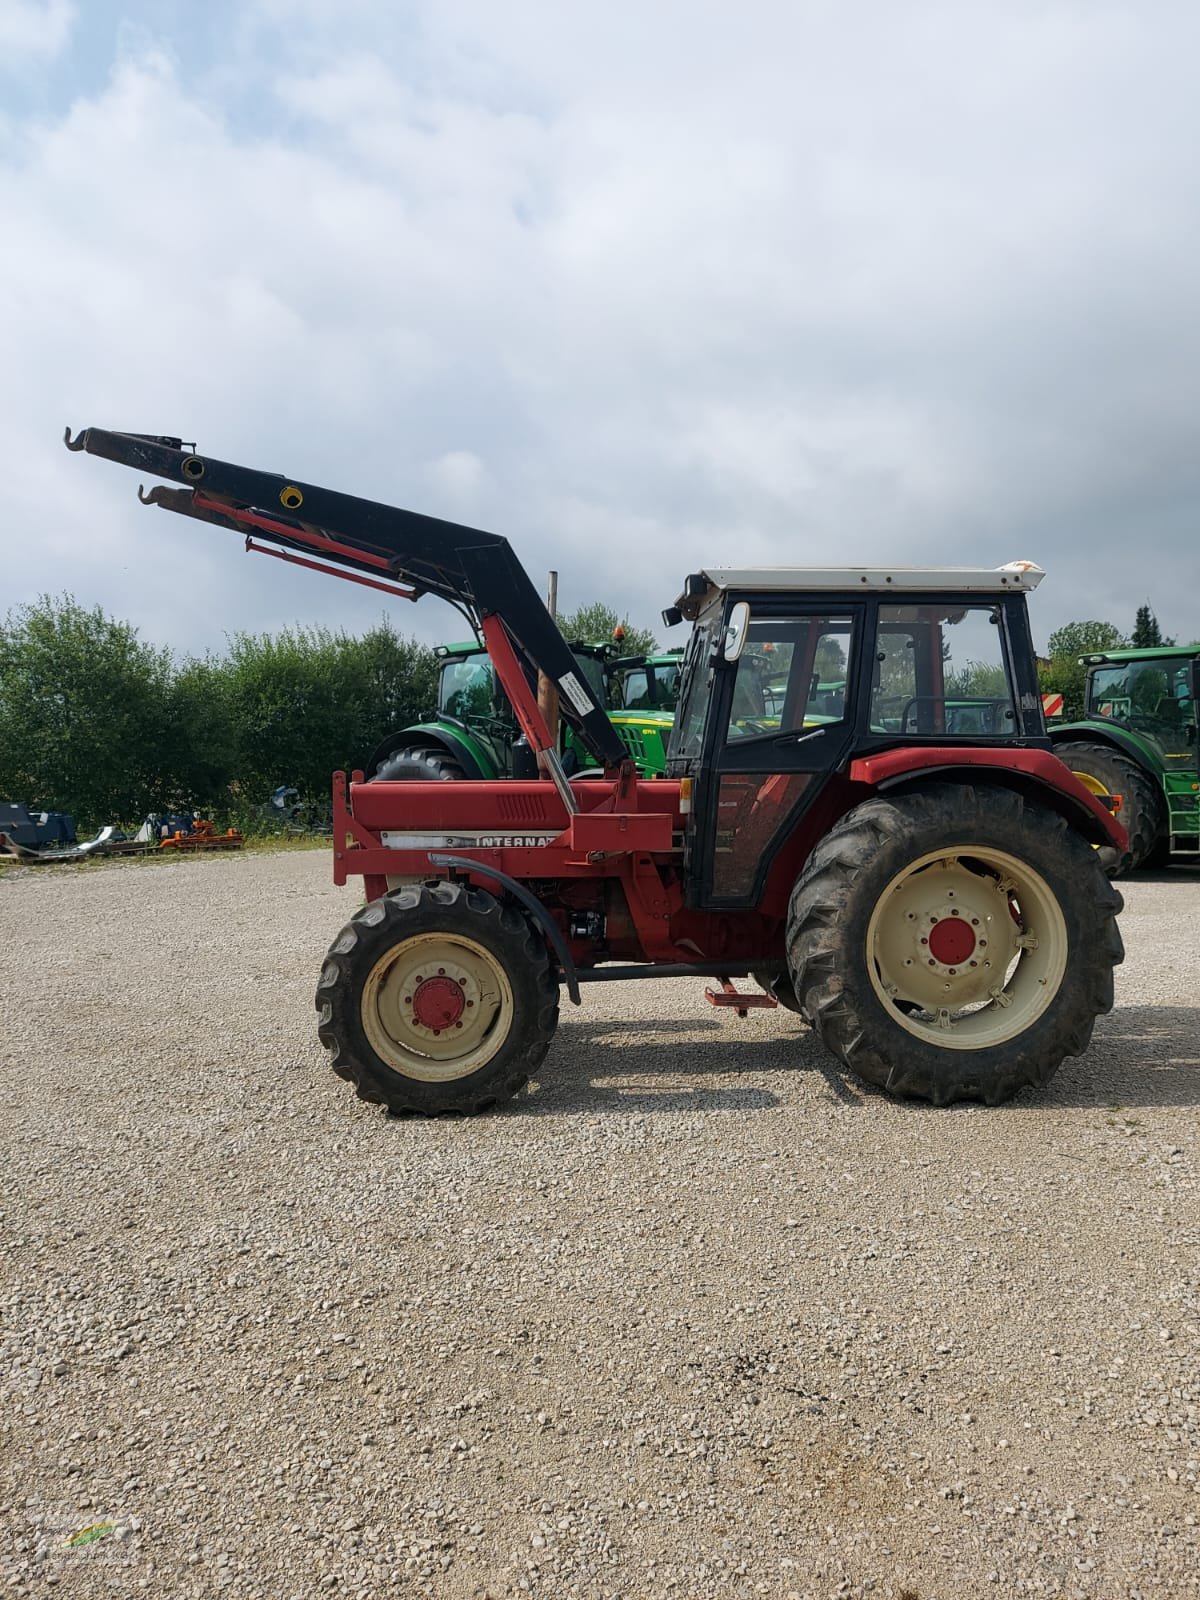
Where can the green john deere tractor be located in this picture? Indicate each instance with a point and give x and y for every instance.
(640, 693)
(474, 733)
(1138, 740)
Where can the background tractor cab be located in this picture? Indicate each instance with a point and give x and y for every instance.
(1138, 740)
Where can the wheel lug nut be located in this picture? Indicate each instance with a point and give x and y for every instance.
(458, 1024)
(408, 999)
(954, 972)
(924, 941)
(441, 972)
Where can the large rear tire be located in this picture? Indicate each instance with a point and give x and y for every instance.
(437, 998)
(954, 945)
(418, 763)
(1105, 770)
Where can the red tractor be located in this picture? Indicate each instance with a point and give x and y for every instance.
(862, 813)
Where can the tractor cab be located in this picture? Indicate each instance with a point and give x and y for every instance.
(792, 673)
(1139, 740)
(1153, 693)
(644, 683)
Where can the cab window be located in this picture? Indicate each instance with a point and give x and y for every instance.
(791, 675)
(941, 672)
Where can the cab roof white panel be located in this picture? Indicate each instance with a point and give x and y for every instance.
(1018, 575)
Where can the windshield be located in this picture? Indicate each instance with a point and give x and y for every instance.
(790, 675)
(695, 678)
(1153, 698)
(465, 686)
(652, 686)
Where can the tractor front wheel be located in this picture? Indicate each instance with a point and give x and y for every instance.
(437, 998)
(419, 763)
(954, 945)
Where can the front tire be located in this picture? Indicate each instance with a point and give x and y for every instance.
(953, 944)
(437, 998)
(418, 763)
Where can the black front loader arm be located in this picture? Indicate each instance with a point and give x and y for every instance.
(475, 570)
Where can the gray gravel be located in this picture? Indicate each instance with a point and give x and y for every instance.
(698, 1316)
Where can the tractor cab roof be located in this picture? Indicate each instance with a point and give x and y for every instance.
(701, 588)
(1157, 652)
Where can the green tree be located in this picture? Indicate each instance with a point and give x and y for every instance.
(306, 702)
(84, 713)
(1147, 634)
(595, 623)
(388, 682)
(200, 750)
(1084, 638)
(1063, 674)
(977, 680)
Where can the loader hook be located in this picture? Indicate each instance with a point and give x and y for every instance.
(160, 495)
(80, 440)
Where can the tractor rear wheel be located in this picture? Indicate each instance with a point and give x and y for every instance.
(1105, 771)
(418, 763)
(950, 945)
(437, 998)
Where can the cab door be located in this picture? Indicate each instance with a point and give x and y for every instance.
(780, 724)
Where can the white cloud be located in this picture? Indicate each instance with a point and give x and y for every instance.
(33, 28)
(636, 287)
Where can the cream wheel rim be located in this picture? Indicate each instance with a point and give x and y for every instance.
(437, 1007)
(967, 947)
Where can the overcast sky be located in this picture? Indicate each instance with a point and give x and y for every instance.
(644, 286)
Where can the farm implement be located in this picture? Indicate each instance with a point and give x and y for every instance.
(920, 886)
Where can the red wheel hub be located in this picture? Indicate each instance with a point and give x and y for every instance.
(952, 941)
(438, 1003)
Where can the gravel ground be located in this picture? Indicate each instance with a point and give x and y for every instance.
(697, 1316)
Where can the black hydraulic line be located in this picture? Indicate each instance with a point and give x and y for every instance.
(475, 570)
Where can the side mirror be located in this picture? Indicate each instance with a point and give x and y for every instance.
(736, 630)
